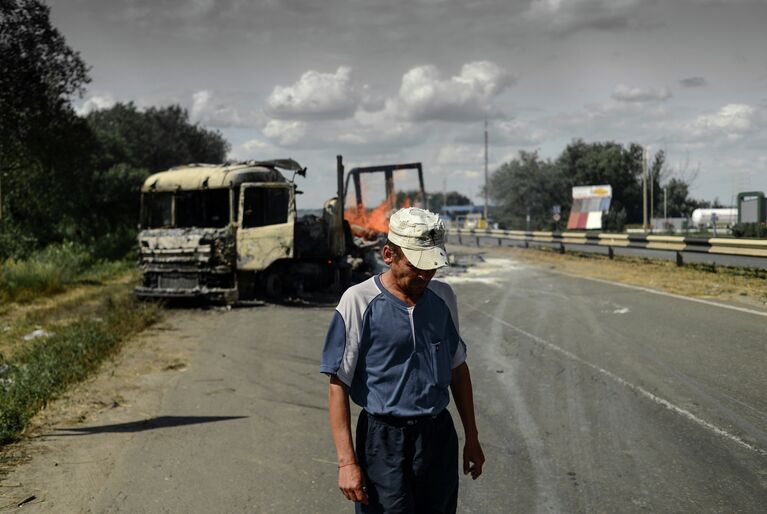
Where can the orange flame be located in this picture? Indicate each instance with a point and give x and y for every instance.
(368, 224)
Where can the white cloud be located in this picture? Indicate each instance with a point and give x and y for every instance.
(424, 95)
(316, 95)
(732, 126)
(732, 122)
(365, 130)
(257, 149)
(95, 103)
(254, 145)
(328, 109)
(285, 133)
(623, 93)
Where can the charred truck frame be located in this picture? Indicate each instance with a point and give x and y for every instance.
(388, 171)
(225, 232)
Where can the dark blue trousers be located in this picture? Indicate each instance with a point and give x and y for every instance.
(410, 464)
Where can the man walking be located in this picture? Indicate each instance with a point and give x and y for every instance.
(393, 345)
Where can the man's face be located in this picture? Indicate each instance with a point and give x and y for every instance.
(411, 280)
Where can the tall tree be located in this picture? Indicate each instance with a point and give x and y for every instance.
(39, 73)
(529, 186)
(678, 201)
(154, 139)
(44, 147)
(62, 176)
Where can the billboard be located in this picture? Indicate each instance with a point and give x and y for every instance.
(589, 202)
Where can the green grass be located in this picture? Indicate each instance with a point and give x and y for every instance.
(42, 370)
(49, 271)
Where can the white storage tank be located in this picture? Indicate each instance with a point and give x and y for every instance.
(725, 217)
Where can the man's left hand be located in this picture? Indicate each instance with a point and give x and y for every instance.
(473, 459)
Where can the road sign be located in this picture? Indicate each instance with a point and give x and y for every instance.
(557, 216)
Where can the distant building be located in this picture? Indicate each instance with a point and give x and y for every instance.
(451, 211)
(463, 216)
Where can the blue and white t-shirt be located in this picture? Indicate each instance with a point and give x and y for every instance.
(396, 359)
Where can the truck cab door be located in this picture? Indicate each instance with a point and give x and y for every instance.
(267, 216)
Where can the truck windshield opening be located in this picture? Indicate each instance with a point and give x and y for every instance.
(264, 206)
(203, 209)
(157, 210)
(208, 208)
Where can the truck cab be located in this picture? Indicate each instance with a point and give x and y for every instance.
(223, 231)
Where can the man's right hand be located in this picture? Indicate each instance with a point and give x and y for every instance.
(352, 484)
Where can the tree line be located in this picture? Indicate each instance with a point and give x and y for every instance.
(69, 177)
(529, 186)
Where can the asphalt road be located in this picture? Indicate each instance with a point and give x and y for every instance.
(591, 397)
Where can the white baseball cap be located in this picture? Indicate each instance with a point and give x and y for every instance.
(421, 235)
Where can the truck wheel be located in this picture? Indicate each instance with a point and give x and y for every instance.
(274, 286)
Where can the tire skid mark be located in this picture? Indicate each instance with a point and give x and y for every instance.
(583, 452)
(544, 476)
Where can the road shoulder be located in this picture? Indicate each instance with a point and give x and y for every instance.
(129, 387)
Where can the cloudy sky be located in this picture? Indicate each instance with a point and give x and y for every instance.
(413, 80)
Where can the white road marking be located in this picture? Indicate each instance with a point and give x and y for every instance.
(622, 310)
(640, 390)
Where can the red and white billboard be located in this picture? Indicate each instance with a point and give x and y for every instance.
(589, 202)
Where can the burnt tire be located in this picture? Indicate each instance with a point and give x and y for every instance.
(274, 284)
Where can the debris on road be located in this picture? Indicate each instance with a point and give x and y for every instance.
(37, 333)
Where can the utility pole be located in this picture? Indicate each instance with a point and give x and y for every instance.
(644, 188)
(444, 192)
(486, 191)
(652, 192)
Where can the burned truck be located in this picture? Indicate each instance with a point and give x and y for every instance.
(229, 232)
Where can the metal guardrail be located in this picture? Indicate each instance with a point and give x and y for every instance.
(678, 244)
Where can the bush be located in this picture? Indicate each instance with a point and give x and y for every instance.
(71, 259)
(755, 230)
(121, 244)
(614, 220)
(43, 273)
(14, 241)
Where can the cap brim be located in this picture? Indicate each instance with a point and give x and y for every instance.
(432, 258)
